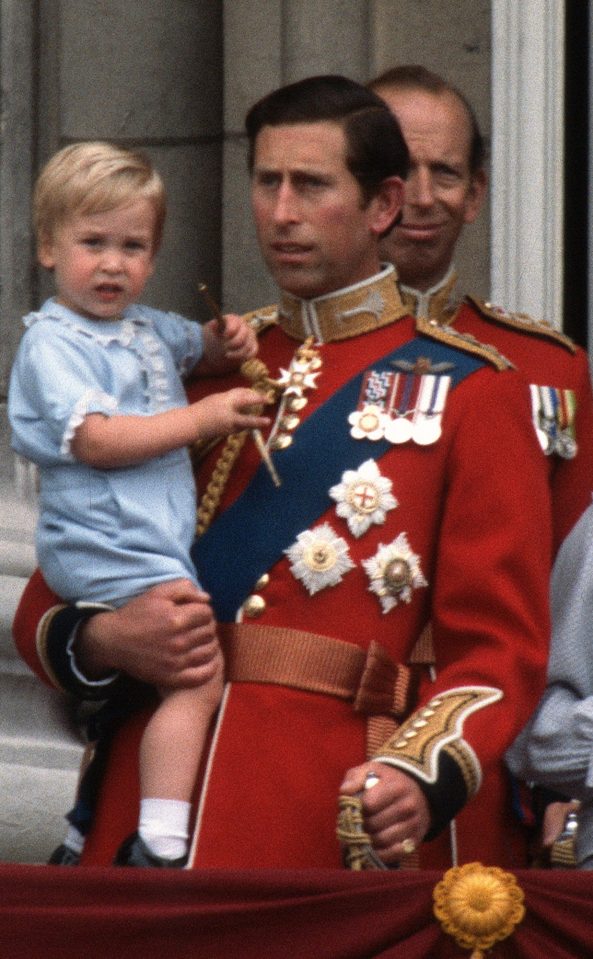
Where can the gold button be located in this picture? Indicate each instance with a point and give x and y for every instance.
(262, 581)
(281, 442)
(289, 422)
(296, 403)
(254, 606)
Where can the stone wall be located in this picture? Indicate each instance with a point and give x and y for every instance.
(40, 745)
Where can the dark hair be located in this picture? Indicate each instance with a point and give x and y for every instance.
(412, 76)
(375, 148)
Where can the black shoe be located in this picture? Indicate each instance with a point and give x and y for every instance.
(134, 852)
(64, 856)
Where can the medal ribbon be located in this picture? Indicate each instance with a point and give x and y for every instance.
(251, 535)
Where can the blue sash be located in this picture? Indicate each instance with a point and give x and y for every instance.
(250, 537)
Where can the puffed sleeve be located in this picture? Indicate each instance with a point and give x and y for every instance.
(556, 747)
(55, 382)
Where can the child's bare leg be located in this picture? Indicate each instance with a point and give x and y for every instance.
(170, 755)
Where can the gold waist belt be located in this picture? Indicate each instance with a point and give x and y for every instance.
(317, 664)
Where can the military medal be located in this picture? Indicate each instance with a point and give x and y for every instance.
(553, 411)
(394, 572)
(399, 430)
(426, 424)
(369, 423)
(403, 406)
(364, 497)
(537, 416)
(319, 558)
(567, 447)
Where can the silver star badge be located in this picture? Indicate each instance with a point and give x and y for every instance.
(319, 558)
(394, 572)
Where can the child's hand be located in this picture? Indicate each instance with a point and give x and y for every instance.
(226, 350)
(222, 413)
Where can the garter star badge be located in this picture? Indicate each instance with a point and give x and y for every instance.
(319, 558)
(394, 571)
(364, 497)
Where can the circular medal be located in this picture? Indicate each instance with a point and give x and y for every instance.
(399, 430)
(426, 429)
(568, 447)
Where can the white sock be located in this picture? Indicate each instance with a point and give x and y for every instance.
(74, 840)
(164, 825)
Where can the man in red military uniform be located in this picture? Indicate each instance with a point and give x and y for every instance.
(412, 492)
(444, 192)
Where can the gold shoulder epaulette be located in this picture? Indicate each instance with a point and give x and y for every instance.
(522, 322)
(463, 341)
(260, 320)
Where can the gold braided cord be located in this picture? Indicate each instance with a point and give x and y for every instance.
(217, 483)
(478, 905)
(357, 849)
(257, 373)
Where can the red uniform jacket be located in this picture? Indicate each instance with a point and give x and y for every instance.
(459, 536)
(547, 359)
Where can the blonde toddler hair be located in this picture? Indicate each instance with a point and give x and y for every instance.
(94, 177)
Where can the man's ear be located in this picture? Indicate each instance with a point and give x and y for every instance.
(476, 194)
(386, 205)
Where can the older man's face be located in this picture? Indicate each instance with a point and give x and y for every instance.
(441, 194)
(315, 232)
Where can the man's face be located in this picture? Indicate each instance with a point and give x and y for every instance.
(315, 232)
(441, 194)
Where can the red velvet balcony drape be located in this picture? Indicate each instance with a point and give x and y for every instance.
(86, 913)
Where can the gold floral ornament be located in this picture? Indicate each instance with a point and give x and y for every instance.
(478, 905)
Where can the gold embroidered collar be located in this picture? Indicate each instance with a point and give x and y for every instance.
(437, 303)
(357, 309)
